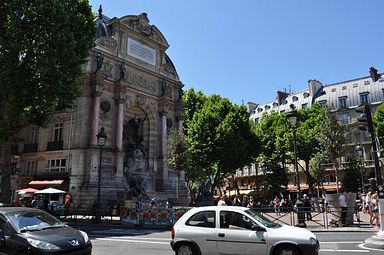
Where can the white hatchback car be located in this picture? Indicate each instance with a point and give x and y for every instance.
(213, 230)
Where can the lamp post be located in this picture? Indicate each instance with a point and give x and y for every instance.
(101, 139)
(359, 151)
(293, 118)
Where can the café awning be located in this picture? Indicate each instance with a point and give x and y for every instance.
(46, 183)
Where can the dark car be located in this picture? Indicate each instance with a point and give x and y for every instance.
(29, 231)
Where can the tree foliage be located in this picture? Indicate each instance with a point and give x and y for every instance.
(332, 138)
(273, 131)
(378, 121)
(43, 44)
(308, 128)
(219, 137)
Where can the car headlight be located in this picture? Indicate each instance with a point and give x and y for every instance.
(85, 236)
(42, 245)
(312, 241)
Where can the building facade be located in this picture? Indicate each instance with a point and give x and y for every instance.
(343, 98)
(129, 87)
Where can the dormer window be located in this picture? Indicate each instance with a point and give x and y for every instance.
(275, 105)
(285, 101)
(306, 94)
(259, 110)
(295, 98)
(267, 107)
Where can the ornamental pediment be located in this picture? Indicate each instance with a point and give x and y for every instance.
(140, 24)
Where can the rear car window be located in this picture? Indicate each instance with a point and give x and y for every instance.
(204, 219)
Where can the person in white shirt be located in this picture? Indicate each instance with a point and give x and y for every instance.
(344, 207)
(222, 201)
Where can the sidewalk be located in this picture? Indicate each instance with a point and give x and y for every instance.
(316, 225)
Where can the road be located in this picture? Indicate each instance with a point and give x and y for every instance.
(114, 241)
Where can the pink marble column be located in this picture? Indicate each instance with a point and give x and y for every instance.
(120, 124)
(164, 134)
(95, 118)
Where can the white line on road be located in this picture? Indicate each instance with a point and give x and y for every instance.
(131, 240)
(333, 250)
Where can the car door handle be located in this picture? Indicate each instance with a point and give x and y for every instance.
(221, 234)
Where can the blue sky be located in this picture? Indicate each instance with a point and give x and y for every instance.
(247, 50)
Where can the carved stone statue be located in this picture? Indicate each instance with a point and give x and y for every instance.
(99, 61)
(122, 71)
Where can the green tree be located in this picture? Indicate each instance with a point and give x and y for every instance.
(352, 176)
(194, 101)
(273, 131)
(332, 139)
(43, 44)
(307, 143)
(220, 139)
(178, 155)
(378, 122)
(317, 168)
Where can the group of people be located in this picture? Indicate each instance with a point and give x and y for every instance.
(246, 201)
(370, 205)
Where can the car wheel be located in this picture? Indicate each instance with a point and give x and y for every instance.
(186, 249)
(286, 250)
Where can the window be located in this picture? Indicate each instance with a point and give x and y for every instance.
(342, 102)
(259, 110)
(33, 135)
(55, 165)
(267, 107)
(285, 101)
(364, 97)
(333, 90)
(367, 82)
(323, 103)
(57, 132)
(344, 88)
(306, 94)
(275, 105)
(355, 85)
(234, 220)
(295, 98)
(30, 168)
(344, 118)
(205, 219)
(304, 106)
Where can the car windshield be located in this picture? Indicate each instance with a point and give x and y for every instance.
(261, 219)
(33, 221)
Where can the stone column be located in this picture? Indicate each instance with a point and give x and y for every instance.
(95, 117)
(164, 144)
(120, 123)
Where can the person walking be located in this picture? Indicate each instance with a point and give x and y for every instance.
(344, 207)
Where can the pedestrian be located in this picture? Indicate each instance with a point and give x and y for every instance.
(307, 207)
(222, 201)
(375, 211)
(344, 207)
(276, 205)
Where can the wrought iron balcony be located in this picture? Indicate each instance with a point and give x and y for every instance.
(55, 146)
(32, 147)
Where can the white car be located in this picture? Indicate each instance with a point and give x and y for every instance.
(213, 230)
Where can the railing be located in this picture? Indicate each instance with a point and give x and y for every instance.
(55, 146)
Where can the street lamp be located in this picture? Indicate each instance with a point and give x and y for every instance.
(101, 139)
(359, 151)
(293, 118)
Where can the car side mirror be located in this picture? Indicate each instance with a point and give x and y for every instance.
(256, 227)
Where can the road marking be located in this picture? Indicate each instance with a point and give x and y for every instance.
(350, 242)
(333, 250)
(141, 240)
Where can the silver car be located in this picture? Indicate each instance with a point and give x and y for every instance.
(214, 230)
